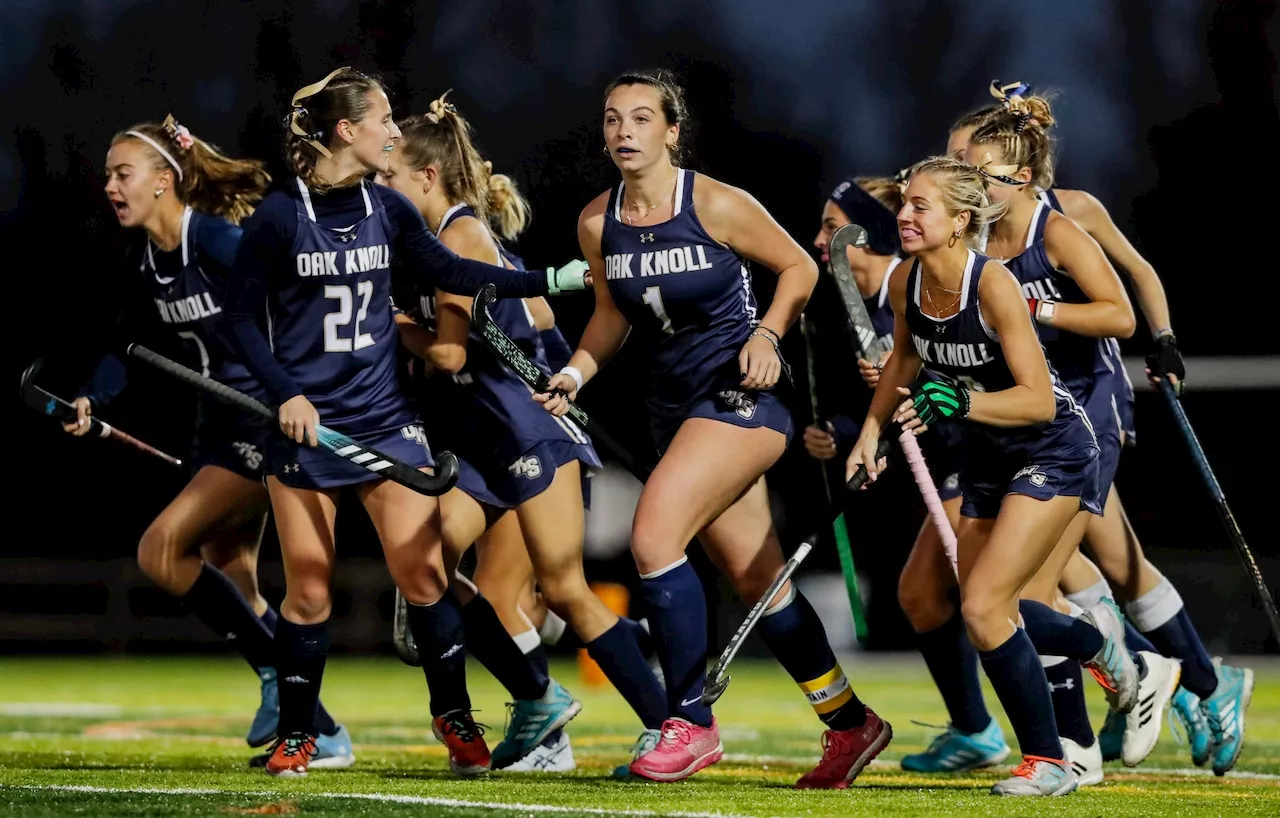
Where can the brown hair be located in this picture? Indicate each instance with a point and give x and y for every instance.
(883, 189)
(203, 177)
(670, 99)
(975, 119)
(1021, 132)
(442, 138)
(317, 110)
(964, 189)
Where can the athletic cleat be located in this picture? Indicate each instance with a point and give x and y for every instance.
(554, 755)
(531, 721)
(1143, 722)
(1186, 712)
(1113, 666)
(955, 752)
(333, 752)
(263, 729)
(1086, 762)
(845, 753)
(1111, 736)
(291, 755)
(1224, 711)
(647, 741)
(457, 730)
(683, 748)
(1038, 776)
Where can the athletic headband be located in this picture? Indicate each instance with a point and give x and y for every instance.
(168, 157)
(1001, 173)
(864, 209)
(312, 139)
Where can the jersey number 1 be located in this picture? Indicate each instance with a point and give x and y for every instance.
(342, 316)
(653, 297)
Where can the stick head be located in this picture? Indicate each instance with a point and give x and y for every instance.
(29, 376)
(851, 235)
(487, 295)
(715, 686)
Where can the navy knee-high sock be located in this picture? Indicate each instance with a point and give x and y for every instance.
(678, 620)
(301, 651)
(1019, 681)
(1066, 688)
(489, 642)
(1135, 640)
(438, 632)
(1161, 616)
(218, 603)
(794, 633)
(1057, 634)
(324, 724)
(617, 652)
(953, 663)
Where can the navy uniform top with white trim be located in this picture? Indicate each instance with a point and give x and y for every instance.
(674, 282)
(880, 310)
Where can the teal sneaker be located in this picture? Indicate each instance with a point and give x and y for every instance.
(1111, 736)
(647, 741)
(1038, 776)
(953, 751)
(333, 752)
(1224, 711)
(1186, 712)
(263, 729)
(531, 721)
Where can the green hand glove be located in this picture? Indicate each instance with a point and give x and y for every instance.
(940, 400)
(572, 277)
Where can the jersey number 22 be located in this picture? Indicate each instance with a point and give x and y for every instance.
(341, 317)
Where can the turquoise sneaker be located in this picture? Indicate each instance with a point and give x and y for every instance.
(333, 752)
(647, 741)
(263, 729)
(1224, 711)
(531, 721)
(1186, 712)
(1111, 736)
(953, 751)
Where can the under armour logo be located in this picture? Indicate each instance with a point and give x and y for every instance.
(451, 651)
(646, 238)
(297, 680)
(1069, 684)
(291, 468)
(347, 238)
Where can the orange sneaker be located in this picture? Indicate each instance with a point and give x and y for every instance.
(291, 755)
(468, 754)
(845, 753)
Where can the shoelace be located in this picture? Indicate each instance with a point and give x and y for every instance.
(1102, 679)
(297, 745)
(644, 744)
(1027, 769)
(673, 734)
(1187, 721)
(940, 740)
(833, 744)
(461, 724)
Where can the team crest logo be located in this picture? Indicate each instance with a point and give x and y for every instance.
(952, 482)
(527, 467)
(646, 238)
(1033, 474)
(416, 434)
(249, 453)
(742, 404)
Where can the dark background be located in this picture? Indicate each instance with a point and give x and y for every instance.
(1167, 110)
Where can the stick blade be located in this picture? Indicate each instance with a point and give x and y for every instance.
(29, 377)
(851, 235)
(714, 689)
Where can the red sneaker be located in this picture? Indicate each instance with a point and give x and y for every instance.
(468, 754)
(290, 756)
(845, 753)
(683, 749)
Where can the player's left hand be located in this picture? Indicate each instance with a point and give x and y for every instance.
(1165, 361)
(930, 402)
(572, 277)
(561, 389)
(759, 363)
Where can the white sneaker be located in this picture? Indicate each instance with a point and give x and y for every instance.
(1086, 762)
(554, 758)
(1113, 666)
(1143, 722)
(1038, 776)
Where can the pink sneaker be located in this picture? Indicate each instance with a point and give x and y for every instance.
(683, 749)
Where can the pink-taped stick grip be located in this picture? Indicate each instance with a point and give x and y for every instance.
(924, 482)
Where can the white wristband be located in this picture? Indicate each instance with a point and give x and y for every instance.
(1044, 313)
(573, 372)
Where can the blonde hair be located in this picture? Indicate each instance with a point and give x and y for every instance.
(1020, 130)
(964, 190)
(317, 110)
(203, 177)
(883, 189)
(442, 138)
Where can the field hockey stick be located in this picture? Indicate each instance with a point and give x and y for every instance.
(446, 469)
(853, 235)
(838, 527)
(514, 357)
(718, 677)
(47, 403)
(1220, 503)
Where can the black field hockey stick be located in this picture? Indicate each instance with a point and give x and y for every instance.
(513, 356)
(718, 677)
(339, 444)
(1220, 503)
(47, 403)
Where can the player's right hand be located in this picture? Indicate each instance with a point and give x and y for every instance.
(298, 420)
(820, 443)
(871, 372)
(864, 453)
(81, 425)
(561, 389)
(572, 277)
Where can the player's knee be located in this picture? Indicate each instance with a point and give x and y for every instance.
(925, 605)
(158, 552)
(652, 545)
(986, 616)
(563, 590)
(307, 601)
(422, 583)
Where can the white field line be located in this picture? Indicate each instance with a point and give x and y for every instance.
(893, 766)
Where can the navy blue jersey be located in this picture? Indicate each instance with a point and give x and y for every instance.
(1077, 358)
(675, 283)
(1051, 199)
(962, 348)
(880, 310)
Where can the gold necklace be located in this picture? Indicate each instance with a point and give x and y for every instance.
(650, 208)
(938, 312)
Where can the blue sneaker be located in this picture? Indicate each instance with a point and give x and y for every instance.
(1224, 711)
(333, 752)
(953, 751)
(647, 741)
(1111, 736)
(531, 721)
(1186, 711)
(263, 729)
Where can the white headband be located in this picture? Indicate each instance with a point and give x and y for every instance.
(168, 157)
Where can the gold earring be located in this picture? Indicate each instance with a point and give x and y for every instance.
(159, 192)
(954, 238)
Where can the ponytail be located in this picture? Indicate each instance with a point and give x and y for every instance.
(509, 211)
(316, 110)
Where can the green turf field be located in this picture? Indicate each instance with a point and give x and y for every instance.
(163, 736)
